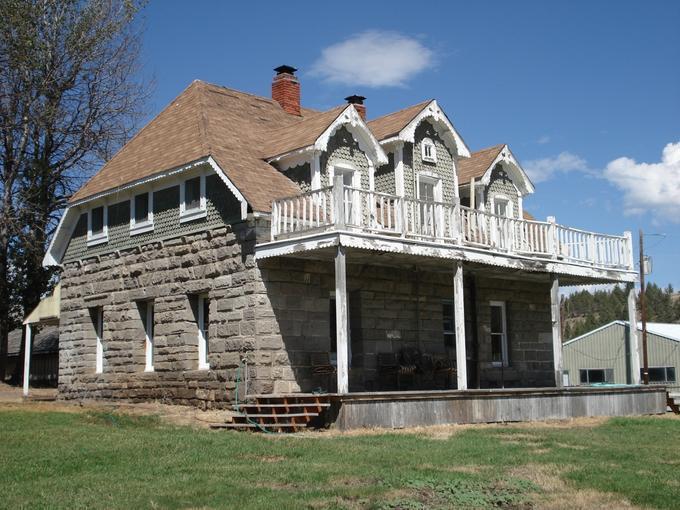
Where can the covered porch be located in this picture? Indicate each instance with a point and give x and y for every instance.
(356, 319)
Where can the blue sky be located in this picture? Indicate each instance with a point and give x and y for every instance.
(572, 87)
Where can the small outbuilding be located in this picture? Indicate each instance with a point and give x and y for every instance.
(602, 356)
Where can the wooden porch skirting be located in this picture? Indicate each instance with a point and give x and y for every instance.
(422, 408)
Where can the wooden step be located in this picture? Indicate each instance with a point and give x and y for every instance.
(282, 416)
(311, 404)
(272, 427)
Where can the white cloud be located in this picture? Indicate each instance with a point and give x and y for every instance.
(540, 170)
(374, 58)
(653, 187)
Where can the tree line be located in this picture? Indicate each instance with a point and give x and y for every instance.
(584, 311)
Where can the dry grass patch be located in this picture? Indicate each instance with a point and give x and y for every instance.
(559, 495)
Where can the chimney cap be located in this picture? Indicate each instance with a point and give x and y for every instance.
(284, 69)
(354, 99)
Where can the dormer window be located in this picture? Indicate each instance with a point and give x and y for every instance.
(97, 226)
(429, 150)
(192, 199)
(141, 213)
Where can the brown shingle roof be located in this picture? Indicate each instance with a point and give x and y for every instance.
(301, 134)
(477, 164)
(205, 120)
(390, 124)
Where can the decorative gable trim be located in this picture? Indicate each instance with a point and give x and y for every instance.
(352, 121)
(453, 141)
(519, 177)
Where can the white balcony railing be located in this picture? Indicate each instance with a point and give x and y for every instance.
(341, 207)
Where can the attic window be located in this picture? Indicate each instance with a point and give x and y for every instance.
(141, 213)
(429, 150)
(192, 199)
(97, 226)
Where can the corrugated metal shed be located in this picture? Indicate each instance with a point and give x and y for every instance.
(606, 348)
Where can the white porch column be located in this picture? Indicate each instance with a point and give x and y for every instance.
(341, 320)
(633, 336)
(556, 329)
(459, 317)
(316, 170)
(27, 359)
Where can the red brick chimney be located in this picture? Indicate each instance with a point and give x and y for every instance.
(358, 102)
(286, 89)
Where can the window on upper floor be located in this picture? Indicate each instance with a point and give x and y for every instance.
(502, 206)
(141, 217)
(192, 199)
(429, 150)
(97, 225)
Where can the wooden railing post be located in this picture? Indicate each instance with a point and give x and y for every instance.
(592, 248)
(553, 243)
(275, 221)
(628, 255)
(339, 202)
(404, 216)
(456, 230)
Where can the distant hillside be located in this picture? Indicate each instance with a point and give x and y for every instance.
(584, 311)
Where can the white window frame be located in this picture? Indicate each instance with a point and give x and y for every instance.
(102, 237)
(437, 211)
(504, 335)
(509, 208)
(424, 144)
(344, 169)
(203, 363)
(149, 338)
(145, 225)
(99, 333)
(196, 212)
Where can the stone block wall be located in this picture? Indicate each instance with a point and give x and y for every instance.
(529, 331)
(273, 313)
(217, 263)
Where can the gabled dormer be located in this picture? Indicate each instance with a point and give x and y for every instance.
(312, 151)
(422, 147)
(492, 180)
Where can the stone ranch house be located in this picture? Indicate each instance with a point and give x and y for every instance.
(245, 240)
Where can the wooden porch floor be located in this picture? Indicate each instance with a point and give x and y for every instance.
(401, 409)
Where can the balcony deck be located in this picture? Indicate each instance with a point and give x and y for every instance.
(372, 220)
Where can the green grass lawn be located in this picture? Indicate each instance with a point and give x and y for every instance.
(101, 460)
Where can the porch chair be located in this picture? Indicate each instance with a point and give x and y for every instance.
(322, 366)
(445, 367)
(409, 360)
(388, 367)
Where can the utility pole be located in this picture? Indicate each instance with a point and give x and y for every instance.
(643, 312)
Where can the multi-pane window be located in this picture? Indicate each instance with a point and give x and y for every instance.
(449, 324)
(501, 207)
(429, 151)
(146, 310)
(596, 375)
(499, 334)
(661, 374)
